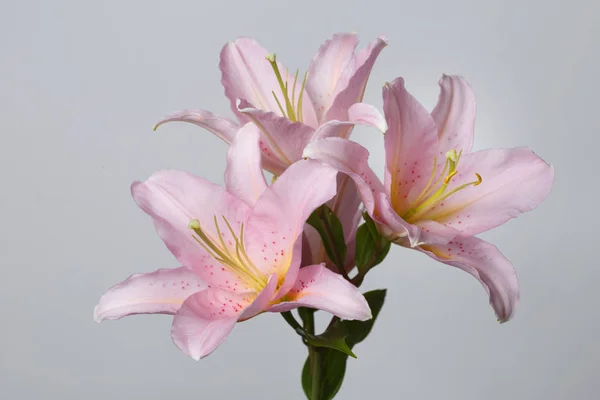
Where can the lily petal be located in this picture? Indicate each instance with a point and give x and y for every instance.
(482, 260)
(326, 69)
(279, 215)
(159, 292)
(244, 176)
(346, 205)
(352, 159)
(454, 115)
(514, 181)
(246, 74)
(221, 127)
(411, 144)
(353, 81)
(320, 288)
(283, 139)
(173, 198)
(366, 114)
(262, 300)
(207, 317)
(394, 228)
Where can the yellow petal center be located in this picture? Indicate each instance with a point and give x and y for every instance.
(436, 191)
(235, 259)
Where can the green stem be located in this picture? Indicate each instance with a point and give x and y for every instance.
(315, 365)
(289, 318)
(313, 354)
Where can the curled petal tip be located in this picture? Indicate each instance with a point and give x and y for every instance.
(97, 318)
(384, 39)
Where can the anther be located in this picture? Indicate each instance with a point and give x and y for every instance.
(448, 177)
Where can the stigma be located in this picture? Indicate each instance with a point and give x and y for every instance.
(290, 109)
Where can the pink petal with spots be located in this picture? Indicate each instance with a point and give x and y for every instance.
(351, 85)
(279, 215)
(410, 144)
(244, 176)
(326, 68)
(206, 319)
(159, 292)
(284, 138)
(221, 127)
(262, 300)
(482, 260)
(454, 114)
(351, 159)
(393, 227)
(292, 272)
(173, 198)
(514, 181)
(317, 287)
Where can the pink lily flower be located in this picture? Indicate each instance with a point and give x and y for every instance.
(239, 248)
(292, 112)
(436, 194)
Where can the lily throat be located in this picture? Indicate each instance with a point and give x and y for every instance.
(233, 256)
(436, 190)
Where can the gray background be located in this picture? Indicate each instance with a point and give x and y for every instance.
(82, 83)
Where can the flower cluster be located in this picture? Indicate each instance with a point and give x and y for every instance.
(252, 247)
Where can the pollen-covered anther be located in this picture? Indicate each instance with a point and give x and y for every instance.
(448, 177)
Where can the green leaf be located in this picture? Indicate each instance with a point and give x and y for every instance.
(365, 248)
(371, 248)
(359, 330)
(333, 369)
(334, 338)
(332, 233)
(333, 362)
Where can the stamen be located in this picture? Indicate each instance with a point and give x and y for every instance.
(424, 191)
(461, 187)
(300, 116)
(294, 91)
(239, 263)
(278, 103)
(239, 246)
(290, 111)
(448, 177)
(430, 196)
